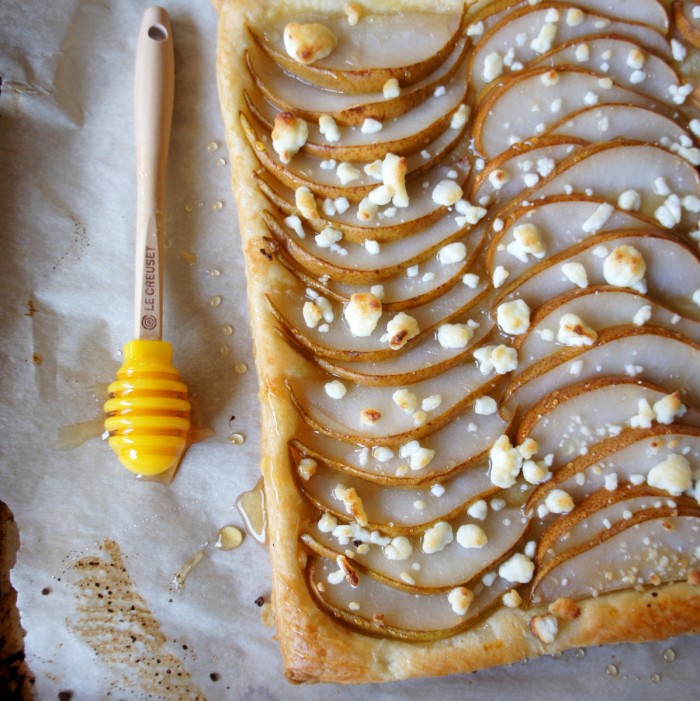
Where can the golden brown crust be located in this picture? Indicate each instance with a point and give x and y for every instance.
(316, 648)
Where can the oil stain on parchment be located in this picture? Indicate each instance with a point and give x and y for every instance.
(115, 621)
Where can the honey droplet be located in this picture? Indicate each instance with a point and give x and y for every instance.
(223, 350)
(214, 272)
(669, 655)
(212, 146)
(218, 204)
(227, 330)
(228, 538)
(189, 207)
(656, 677)
(580, 653)
(237, 438)
(251, 504)
(611, 670)
(189, 257)
(215, 301)
(240, 368)
(221, 162)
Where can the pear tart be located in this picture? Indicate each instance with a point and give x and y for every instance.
(471, 244)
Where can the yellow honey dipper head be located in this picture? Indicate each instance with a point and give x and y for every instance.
(147, 415)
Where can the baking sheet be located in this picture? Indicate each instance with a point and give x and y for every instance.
(99, 548)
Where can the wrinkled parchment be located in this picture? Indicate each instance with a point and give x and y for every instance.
(99, 548)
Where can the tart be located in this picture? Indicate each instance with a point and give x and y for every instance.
(471, 245)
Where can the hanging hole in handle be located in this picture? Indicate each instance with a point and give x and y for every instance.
(157, 32)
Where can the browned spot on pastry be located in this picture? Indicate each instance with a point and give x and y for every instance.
(694, 577)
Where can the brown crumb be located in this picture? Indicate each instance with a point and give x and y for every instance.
(378, 620)
(564, 609)
(260, 601)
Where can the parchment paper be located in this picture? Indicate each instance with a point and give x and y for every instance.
(99, 548)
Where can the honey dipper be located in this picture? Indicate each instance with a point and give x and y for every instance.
(147, 415)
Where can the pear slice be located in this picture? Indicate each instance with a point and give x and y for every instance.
(309, 103)
(610, 121)
(656, 355)
(411, 366)
(356, 67)
(628, 455)
(401, 292)
(608, 55)
(559, 220)
(569, 421)
(402, 136)
(656, 546)
(601, 307)
(324, 182)
(515, 33)
(520, 164)
(686, 24)
(647, 12)
(338, 342)
(505, 116)
(402, 511)
(359, 266)
(439, 571)
(379, 609)
(458, 388)
(602, 511)
(461, 443)
(671, 276)
(608, 169)
(421, 212)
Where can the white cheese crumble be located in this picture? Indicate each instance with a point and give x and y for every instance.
(513, 317)
(328, 128)
(454, 252)
(624, 267)
(391, 89)
(576, 273)
(517, 569)
(485, 406)
(673, 475)
(335, 389)
(308, 43)
(371, 126)
(505, 463)
(502, 359)
(470, 535)
(574, 332)
(405, 399)
(460, 598)
(400, 329)
(362, 313)
(451, 336)
(437, 538)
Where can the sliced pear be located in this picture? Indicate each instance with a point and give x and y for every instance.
(341, 419)
(452, 566)
(648, 12)
(608, 56)
(601, 307)
(421, 212)
(686, 23)
(655, 355)
(559, 220)
(461, 443)
(672, 270)
(356, 66)
(398, 511)
(608, 169)
(359, 266)
(377, 608)
(628, 455)
(610, 121)
(656, 546)
(601, 511)
(307, 171)
(402, 136)
(507, 175)
(411, 366)
(506, 116)
(307, 102)
(514, 34)
(569, 421)
(338, 342)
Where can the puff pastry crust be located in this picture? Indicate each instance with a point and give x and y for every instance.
(316, 645)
